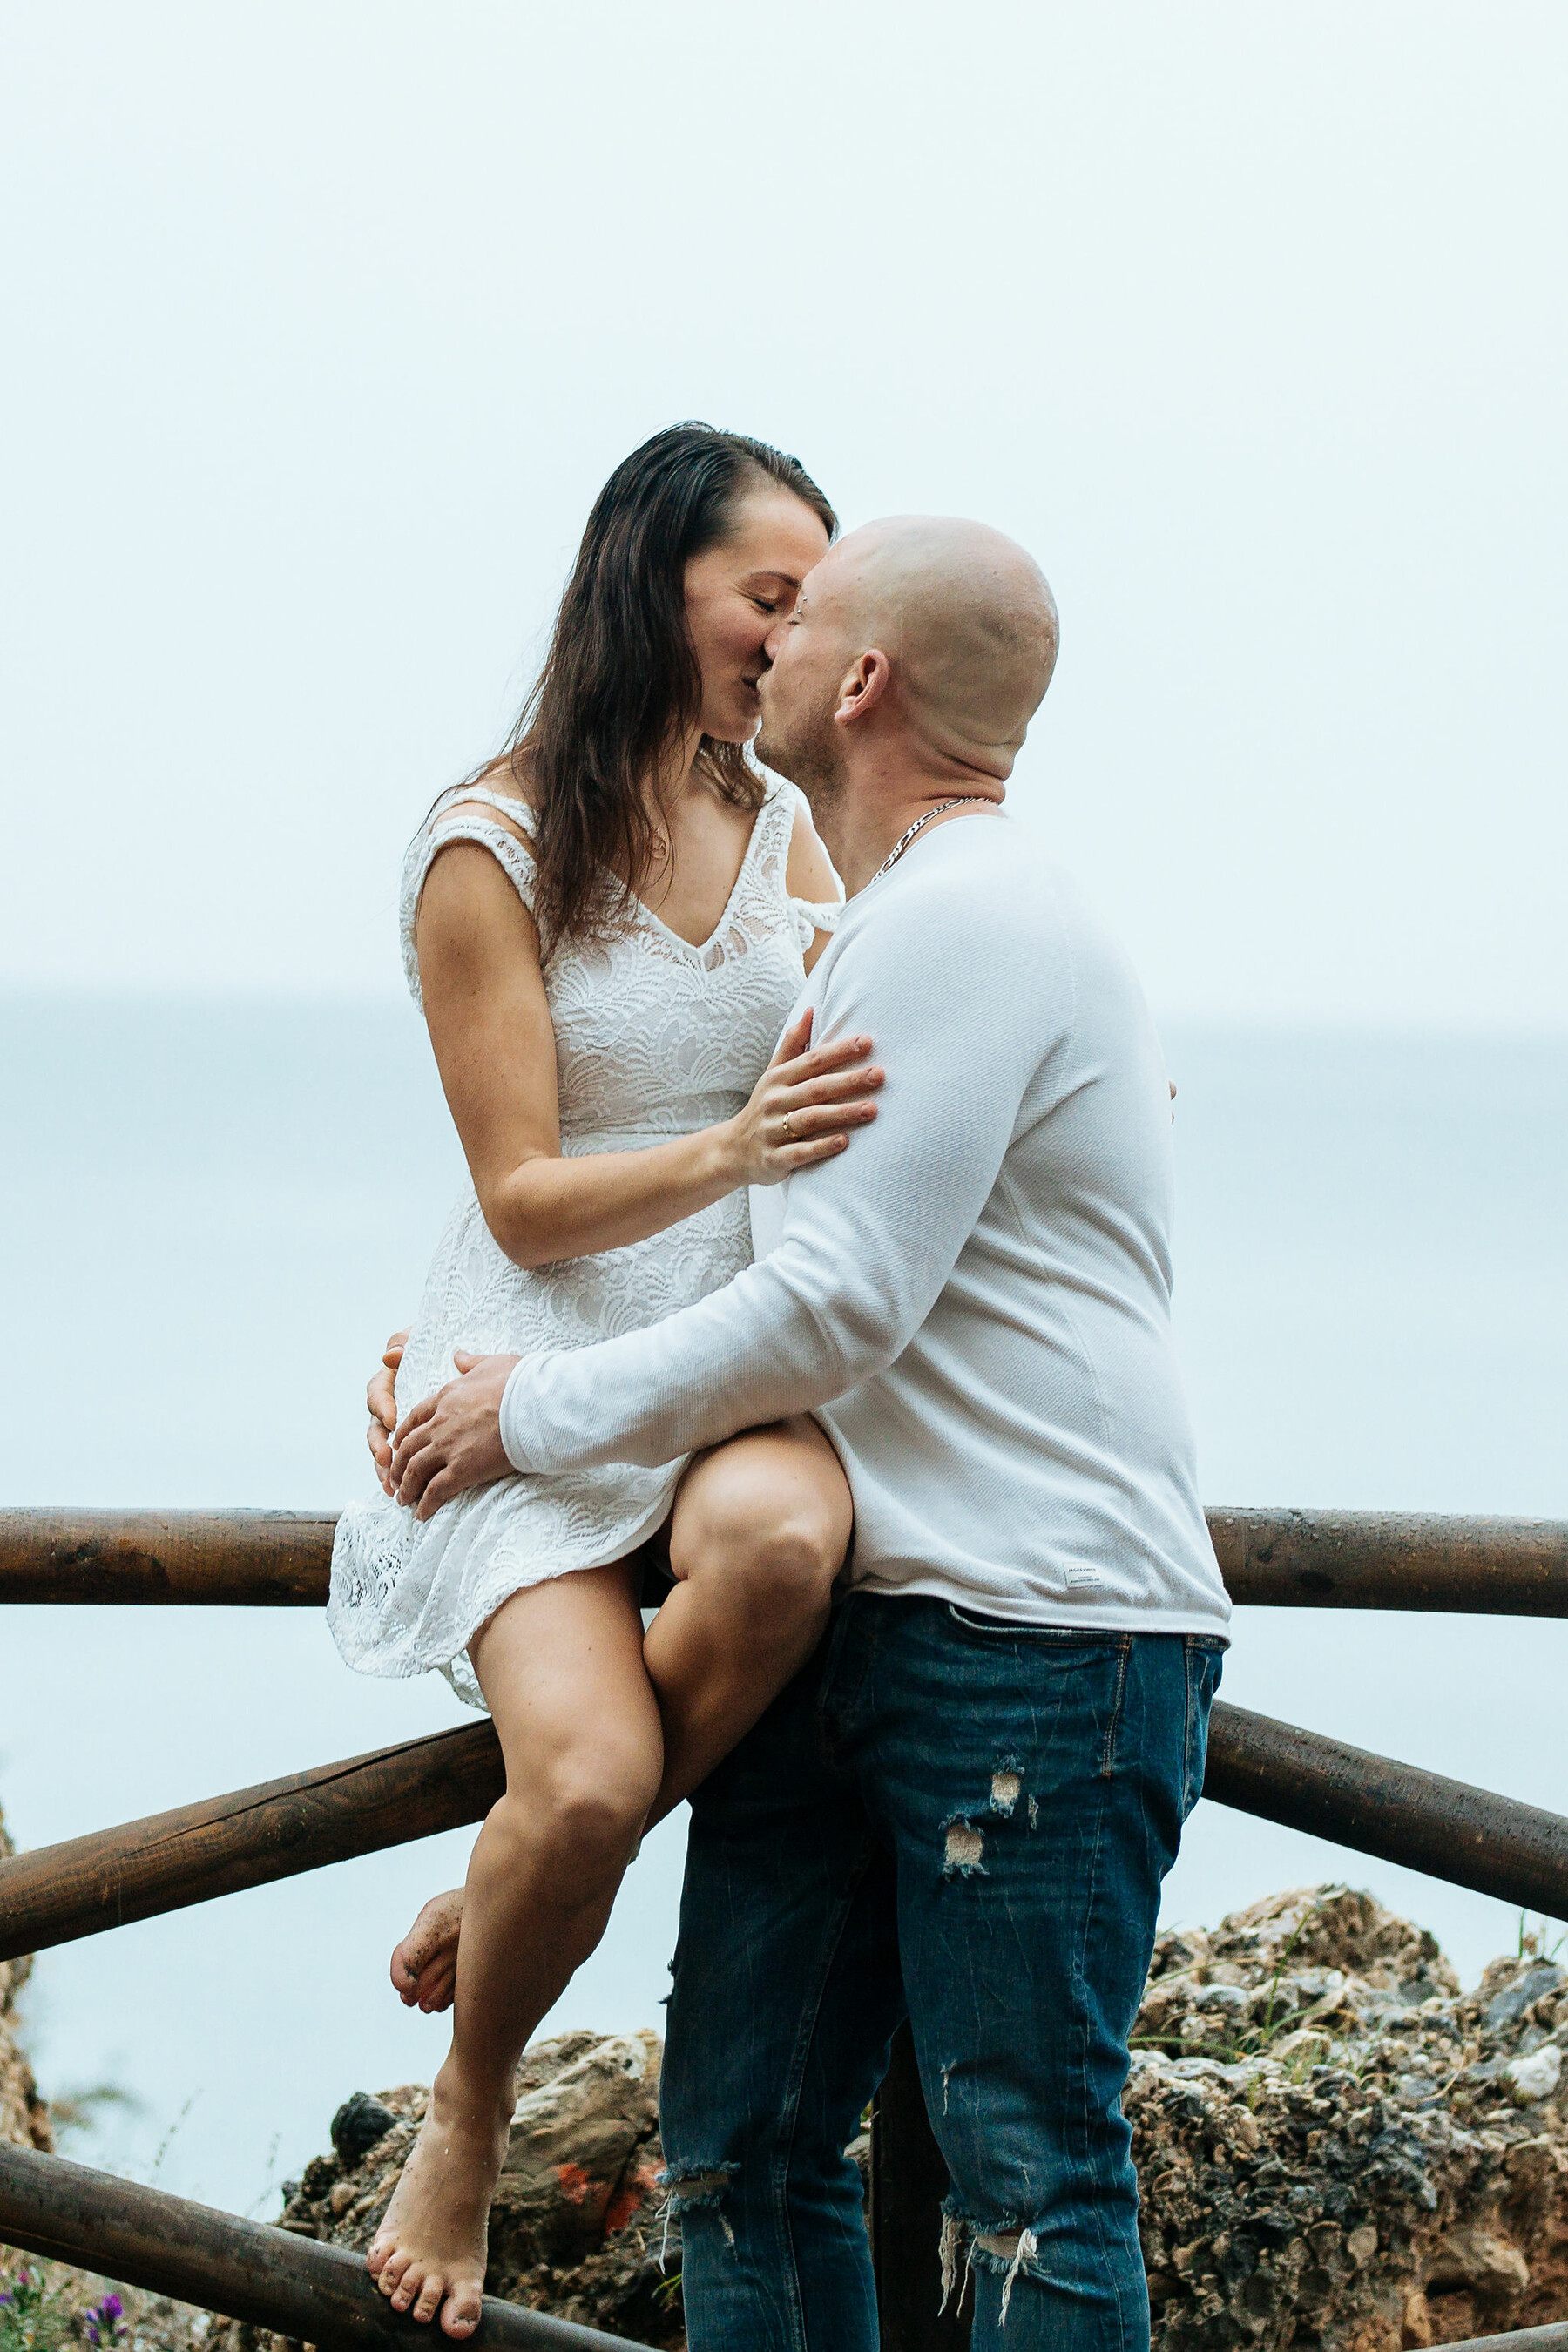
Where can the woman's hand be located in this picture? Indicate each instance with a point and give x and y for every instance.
(380, 1403)
(805, 1106)
(451, 1440)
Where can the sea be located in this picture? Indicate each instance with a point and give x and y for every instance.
(215, 1211)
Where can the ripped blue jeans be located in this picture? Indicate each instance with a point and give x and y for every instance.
(967, 1824)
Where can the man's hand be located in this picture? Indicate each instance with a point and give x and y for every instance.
(380, 1403)
(451, 1440)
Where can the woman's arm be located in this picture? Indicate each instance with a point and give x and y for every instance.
(489, 1024)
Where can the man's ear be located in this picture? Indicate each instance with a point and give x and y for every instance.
(863, 688)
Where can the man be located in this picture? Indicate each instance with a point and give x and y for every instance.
(965, 1805)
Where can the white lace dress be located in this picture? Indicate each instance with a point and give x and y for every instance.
(654, 1037)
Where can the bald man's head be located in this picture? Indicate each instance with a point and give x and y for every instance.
(963, 620)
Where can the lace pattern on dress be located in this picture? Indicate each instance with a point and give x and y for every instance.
(654, 1037)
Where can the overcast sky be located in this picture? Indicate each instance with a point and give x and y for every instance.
(326, 323)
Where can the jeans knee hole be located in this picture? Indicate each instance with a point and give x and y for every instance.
(963, 1850)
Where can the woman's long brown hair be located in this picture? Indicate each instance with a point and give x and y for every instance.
(620, 685)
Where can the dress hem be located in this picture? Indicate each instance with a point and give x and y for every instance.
(394, 1663)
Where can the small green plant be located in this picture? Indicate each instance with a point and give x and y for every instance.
(32, 2317)
(79, 2111)
(1314, 2051)
(1532, 1942)
(666, 2290)
(167, 2141)
(1253, 2042)
(267, 2193)
(1260, 2039)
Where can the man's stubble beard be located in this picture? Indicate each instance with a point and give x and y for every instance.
(809, 756)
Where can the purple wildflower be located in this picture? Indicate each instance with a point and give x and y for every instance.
(103, 2324)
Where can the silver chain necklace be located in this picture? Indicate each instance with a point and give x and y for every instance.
(902, 842)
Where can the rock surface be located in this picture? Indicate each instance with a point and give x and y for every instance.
(576, 2227)
(1336, 2147)
(1337, 2150)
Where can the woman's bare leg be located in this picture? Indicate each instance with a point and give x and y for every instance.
(759, 1531)
(561, 1670)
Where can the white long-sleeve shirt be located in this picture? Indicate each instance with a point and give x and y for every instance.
(974, 1297)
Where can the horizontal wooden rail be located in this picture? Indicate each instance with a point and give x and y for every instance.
(1398, 1812)
(1393, 1559)
(294, 2286)
(1551, 2338)
(242, 2270)
(58, 1892)
(1271, 1559)
(258, 1559)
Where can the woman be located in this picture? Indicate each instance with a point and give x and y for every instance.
(607, 933)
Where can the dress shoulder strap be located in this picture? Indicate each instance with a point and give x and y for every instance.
(520, 812)
(515, 856)
(811, 914)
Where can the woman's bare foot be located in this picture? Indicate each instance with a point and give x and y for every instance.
(424, 1965)
(430, 2251)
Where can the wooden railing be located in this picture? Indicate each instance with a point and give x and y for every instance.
(245, 2270)
(1370, 1803)
(1280, 1559)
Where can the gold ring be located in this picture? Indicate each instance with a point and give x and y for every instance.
(788, 1131)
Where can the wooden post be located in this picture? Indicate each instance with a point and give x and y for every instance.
(908, 2183)
(243, 2270)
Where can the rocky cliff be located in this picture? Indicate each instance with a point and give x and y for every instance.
(1337, 2150)
(1336, 2147)
(576, 2227)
